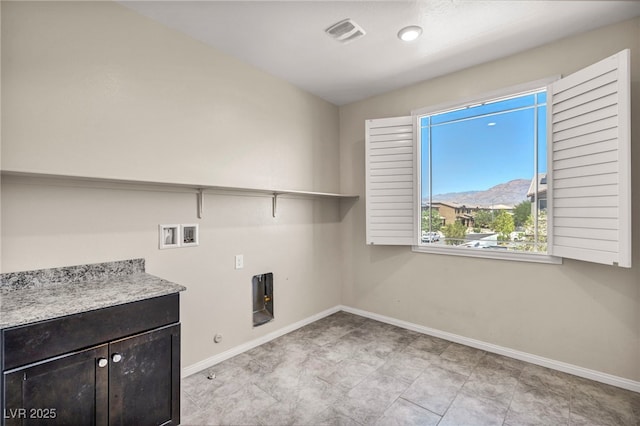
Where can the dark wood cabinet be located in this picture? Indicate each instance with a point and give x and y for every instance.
(143, 385)
(67, 390)
(130, 379)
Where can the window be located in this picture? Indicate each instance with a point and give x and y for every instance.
(481, 169)
(534, 173)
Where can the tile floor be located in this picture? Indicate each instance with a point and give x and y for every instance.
(348, 370)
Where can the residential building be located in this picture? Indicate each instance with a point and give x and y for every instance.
(453, 212)
(542, 191)
(112, 122)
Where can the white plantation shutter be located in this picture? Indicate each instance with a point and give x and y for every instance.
(589, 126)
(391, 181)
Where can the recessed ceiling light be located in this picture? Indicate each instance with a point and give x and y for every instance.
(409, 33)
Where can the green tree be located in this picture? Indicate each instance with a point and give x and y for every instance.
(503, 223)
(436, 221)
(454, 233)
(483, 218)
(530, 234)
(521, 213)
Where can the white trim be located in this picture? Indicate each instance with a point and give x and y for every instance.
(550, 186)
(488, 254)
(385, 217)
(594, 375)
(196, 233)
(586, 108)
(624, 117)
(573, 121)
(483, 97)
(230, 353)
(494, 95)
(166, 235)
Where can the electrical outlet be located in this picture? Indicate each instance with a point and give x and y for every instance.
(239, 261)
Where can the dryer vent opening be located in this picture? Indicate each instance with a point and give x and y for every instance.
(262, 298)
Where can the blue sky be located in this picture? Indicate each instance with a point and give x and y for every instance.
(479, 147)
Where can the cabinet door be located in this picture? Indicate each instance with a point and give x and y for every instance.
(68, 390)
(144, 378)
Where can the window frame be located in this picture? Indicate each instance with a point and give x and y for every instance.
(588, 175)
(506, 92)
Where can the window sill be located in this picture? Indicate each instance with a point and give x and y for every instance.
(489, 254)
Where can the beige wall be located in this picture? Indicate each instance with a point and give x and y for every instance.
(94, 89)
(580, 313)
(91, 88)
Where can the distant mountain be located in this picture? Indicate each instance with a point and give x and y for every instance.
(508, 193)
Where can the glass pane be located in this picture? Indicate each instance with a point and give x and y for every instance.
(542, 97)
(540, 237)
(542, 139)
(478, 175)
(486, 108)
(475, 155)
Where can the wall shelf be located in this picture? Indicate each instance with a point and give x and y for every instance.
(199, 189)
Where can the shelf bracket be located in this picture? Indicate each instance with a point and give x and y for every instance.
(200, 202)
(274, 204)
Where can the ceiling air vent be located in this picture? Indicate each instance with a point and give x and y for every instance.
(345, 31)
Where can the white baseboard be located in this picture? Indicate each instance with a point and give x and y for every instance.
(237, 350)
(489, 347)
(523, 356)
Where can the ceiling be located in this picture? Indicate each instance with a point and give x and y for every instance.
(287, 38)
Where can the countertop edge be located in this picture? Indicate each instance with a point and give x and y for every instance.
(32, 304)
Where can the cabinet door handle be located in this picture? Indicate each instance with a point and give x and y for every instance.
(116, 357)
(102, 362)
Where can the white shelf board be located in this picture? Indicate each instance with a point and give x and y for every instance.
(145, 185)
(174, 185)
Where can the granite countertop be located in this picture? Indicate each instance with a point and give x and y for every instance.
(31, 296)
